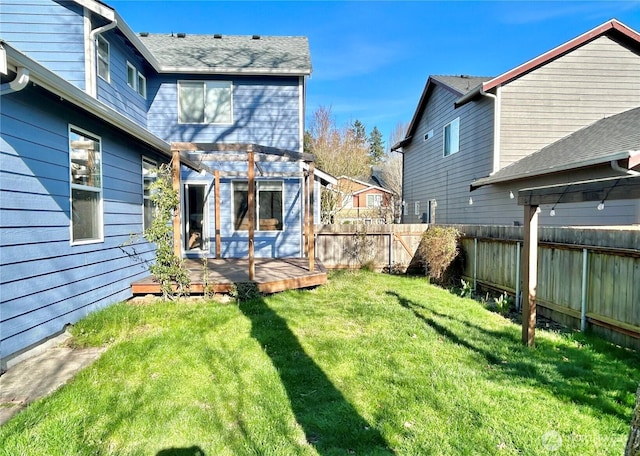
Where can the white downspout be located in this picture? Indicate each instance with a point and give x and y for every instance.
(496, 126)
(20, 82)
(91, 67)
(616, 167)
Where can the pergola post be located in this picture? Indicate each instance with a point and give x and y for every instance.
(177, 226)
(216, 183)
(530, 274)
(252, 213)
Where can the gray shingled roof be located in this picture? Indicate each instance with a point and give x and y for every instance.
(230, 53)
(607, 139)
(461, 83)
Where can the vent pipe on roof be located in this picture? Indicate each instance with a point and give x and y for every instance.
(255, 37)
(144, 34)
(181, 35)
(217, 36)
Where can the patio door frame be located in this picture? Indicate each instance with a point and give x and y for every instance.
(188, 231)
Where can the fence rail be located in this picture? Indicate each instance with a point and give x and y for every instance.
(381, 246)
(581, 285)
(586, 277)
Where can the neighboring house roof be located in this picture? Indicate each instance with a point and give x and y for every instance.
(610, 139)
(229, 54)
(368, 185)
(45, 78)
(612, 27)
(458, 85)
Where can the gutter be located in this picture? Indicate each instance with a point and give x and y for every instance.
(53, 83)
(613, 158)
(20, 82)
(91, 78)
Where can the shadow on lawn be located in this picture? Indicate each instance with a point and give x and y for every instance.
(597, 377)
(330, 423)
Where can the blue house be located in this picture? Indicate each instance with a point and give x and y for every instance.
(89, 109)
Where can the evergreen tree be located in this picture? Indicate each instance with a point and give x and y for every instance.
(376, 147)
(359, 133)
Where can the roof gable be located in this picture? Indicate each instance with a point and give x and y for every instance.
(612, 138)
(458, 85)
(612, 28)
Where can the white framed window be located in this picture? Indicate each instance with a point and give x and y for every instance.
(104, 70)
(374, 200)
(142, 85)
(136, 80)
(149, 176)
(451, 135)
(85, 165)
(416, 208)
(205, 102)
(428, 135)
(268, 201)
(405, 208)
(132, 73)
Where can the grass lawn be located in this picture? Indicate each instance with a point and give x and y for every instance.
(368, 364)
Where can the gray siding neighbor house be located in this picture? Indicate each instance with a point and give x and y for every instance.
(474, 142)
(89, 110)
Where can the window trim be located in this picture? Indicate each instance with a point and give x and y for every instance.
(142, 88)
(106, 60)
(204, 83)
(100, 239)
(153, 162)
(455, 121)
(133, 83)
(416, 208)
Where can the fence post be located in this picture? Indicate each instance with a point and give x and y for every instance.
(390, 250)
(583, 303)
(518, 267)
(475, 264)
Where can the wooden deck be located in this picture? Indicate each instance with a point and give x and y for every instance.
(271, 275)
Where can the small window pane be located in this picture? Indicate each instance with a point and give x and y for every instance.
(131, 76)
(241, 206)
(85, 207)
(103, 58)
(142, 85)
(85, 160)
(452, 137)
(191, 96)
(149, 176)
(218, 102)
(270, 203)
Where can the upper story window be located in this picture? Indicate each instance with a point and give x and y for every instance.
(374, 200)
(452, 137)
(85, 156)
(103, 58)
(136, 80)
(205, 102)
(149, 176)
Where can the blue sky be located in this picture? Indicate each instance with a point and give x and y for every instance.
(371, 59)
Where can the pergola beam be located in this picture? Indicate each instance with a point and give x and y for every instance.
(615, 188)
(246, 148)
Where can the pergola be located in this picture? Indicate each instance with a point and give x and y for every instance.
(598, 190)
(205, 154)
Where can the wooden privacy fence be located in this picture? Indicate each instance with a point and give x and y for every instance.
(586, 277)
(381, 246)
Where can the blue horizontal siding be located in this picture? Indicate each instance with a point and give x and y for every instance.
(46, 282)
(265, 111)
(116, 93)
(50, 32)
